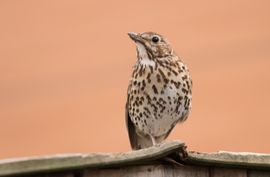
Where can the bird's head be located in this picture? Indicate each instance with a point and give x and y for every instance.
(151, 45)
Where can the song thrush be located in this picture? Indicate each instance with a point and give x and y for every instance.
(159, 92)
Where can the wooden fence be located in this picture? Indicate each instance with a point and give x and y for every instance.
(159, 161)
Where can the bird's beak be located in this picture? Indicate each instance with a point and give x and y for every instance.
(135, 37)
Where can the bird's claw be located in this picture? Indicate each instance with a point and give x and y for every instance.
(183, 153)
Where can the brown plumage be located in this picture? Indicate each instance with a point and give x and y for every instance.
(159, 92)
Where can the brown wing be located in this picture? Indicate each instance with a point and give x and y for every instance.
(131, 131)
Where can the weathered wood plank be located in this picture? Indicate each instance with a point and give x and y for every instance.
(158, 170)
(77, 161)
(253, 173)
(129, 162)
(224, 172)
(231, 159)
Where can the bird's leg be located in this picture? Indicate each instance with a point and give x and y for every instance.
(153, 140)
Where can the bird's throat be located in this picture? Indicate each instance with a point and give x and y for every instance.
(143, 55)
(141, 51)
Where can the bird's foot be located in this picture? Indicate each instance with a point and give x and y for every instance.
(178, 158)
(183, 153)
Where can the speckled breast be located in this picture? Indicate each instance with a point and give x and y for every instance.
(159, 97)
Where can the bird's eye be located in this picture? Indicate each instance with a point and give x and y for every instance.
(155, 39)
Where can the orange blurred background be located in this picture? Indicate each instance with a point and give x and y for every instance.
(65, 67)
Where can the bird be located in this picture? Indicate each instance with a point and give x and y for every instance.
(159, 93)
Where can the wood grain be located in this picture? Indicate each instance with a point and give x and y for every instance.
(158, 170)
(257, 173)
(224, 172)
